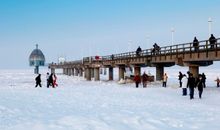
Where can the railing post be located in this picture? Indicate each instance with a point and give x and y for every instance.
(171, 51)
(216, 52)
(190, 50)
(207, 48)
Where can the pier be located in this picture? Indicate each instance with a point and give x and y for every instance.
(168, 56)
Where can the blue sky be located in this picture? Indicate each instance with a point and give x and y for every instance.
(77, 28)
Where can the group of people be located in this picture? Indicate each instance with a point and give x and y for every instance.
(143, 78)
(154, 50)
(188, 81)
(212, 42)
(51, 80)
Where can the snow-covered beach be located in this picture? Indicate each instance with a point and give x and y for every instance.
(77, 104)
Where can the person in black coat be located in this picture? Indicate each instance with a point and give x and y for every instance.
(38, 81)
(200, 86)
(144, 80)
(196, 44)
(212, 41)
(191, 85)
(50, 80)
(138, 51)
(203, 79)
(180, 78)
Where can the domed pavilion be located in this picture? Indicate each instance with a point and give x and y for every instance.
(36, 59)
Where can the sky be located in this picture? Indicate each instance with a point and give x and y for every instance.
(78, 28)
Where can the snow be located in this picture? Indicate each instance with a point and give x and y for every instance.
(77, 104)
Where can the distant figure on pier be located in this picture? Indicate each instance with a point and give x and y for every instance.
(38, 81)
(144, 80)
(212, 41)
(165, 77)
(155, 49)
(196, 44)
(138, 51)
(180, 78)
(112, 57)
(137, 80)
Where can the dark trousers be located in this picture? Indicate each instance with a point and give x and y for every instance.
(217, 84)
(200, 93)
(164, 84)
(191, 93)
(204, 84)
(180, 83)
(144, 84)
(50, 84)
(38, 84)
(137, 83)
(184, 91)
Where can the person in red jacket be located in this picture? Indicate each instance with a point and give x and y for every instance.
(137, 80)
(55, 80)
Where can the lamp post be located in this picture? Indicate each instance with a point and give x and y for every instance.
(210, 25)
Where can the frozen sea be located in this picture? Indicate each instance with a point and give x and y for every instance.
(77, 104)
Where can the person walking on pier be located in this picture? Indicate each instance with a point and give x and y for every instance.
(165, 77)
(191, 85)
(38, 81)
(212, 41)
(196, 44)
(180, 78)
(184, 84)
(155, 49)
(137, 80)
(144, 80)
(200, 86)
(138, 51)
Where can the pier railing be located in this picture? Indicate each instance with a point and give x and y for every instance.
(166, 50)
(204, 46)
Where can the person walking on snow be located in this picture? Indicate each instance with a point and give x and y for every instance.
(180, 78)
(200, 86)
(191, 85)
(217, 81)
(38, 81)
(55, 80)
(184, 85)
(47, 77)
(137, 80)
(144, 80)
(165, 77)
(203, 79)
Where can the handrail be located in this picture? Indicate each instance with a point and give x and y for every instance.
(177, 48)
